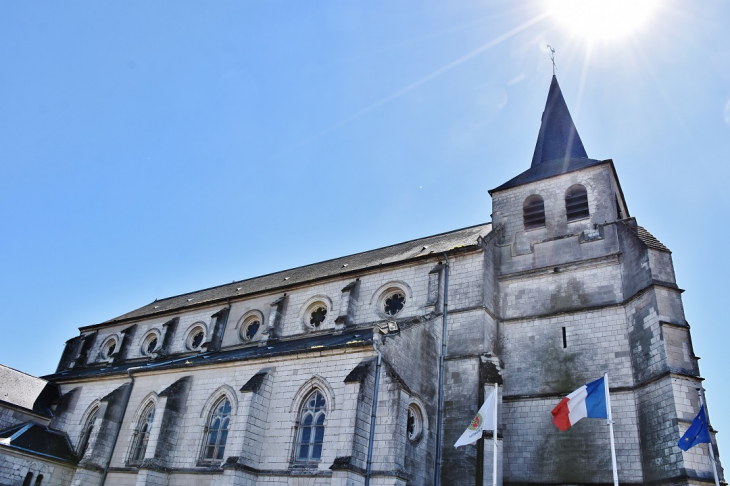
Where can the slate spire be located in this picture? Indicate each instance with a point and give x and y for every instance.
(558, 137)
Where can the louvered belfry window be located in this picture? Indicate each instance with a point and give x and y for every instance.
(533, 212)
(576, 203)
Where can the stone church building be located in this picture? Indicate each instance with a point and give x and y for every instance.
(272, 380)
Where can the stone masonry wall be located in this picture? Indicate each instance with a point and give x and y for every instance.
(14, 466)
(535, 451)
(596, 343)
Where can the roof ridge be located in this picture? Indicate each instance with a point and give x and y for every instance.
(318, 263)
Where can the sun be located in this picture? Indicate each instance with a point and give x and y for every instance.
(602, 19)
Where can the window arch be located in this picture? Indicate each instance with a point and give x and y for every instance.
(142, 435)
(216, 431)
(28, 479)
(310, 436)
(533, 212)
(87, 430)
(576, 203)
(38, 480)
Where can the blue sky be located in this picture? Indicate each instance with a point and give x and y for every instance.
(153, 148)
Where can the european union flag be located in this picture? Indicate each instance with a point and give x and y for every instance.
(697, 433)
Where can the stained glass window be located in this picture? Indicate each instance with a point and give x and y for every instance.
(217, 431)
(142, 435)
(317, 316)
(311, 429)
(394, 303)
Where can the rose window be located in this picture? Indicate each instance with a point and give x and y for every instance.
(394, 303)
(317, 316)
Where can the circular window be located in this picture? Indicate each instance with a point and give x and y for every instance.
(196, 336)
(250, 328)
(149, 343)
(415, 422)
(108, 348)
(394, 303)
(317, 315)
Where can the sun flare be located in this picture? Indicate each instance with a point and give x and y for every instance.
(602, 19)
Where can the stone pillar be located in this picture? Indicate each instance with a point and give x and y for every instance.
(348, 304)
(101, 443)
(162, 445)
(276, 316)
(249, 430)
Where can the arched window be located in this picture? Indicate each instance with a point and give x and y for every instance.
(38, 480)
(142, 435)
(216, 432)
(28, 479)
(311, 429)
(86, 434)
(533, 212)
(576, 203)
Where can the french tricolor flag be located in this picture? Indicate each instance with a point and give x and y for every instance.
(587, 401)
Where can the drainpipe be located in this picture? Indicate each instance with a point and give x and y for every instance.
(371, 440)
(124, 409)
(439, 426)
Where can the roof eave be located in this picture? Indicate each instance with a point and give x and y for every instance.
(600, 163)
(222, 300)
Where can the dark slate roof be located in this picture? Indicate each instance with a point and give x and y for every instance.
(559, 148)
(650, 240)
(312, 343)
(422, 247)
(548, 169)
(558, 138)
(38, 439)
(26, 391)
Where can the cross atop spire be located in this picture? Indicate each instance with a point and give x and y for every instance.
(558, 137)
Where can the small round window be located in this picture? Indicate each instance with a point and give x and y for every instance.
(415, 423)
(394, 303)
(107, 350)
(250, 327)
(196, 337)
(317, 315)
(150, 344)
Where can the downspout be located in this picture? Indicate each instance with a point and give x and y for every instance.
(439, 425)
(124, 409)
(371, 439)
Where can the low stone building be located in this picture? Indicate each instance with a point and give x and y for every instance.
(272, 380)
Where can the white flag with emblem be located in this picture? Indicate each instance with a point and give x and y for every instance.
(484, 420)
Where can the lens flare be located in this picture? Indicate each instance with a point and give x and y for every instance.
(602, 19)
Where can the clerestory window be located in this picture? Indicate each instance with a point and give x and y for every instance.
(310, 435)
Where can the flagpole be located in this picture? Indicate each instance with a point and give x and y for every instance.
(494, 437)
(610, 425)
(712, 451)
